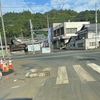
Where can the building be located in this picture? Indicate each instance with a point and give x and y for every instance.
(86, 38)
(63, 31)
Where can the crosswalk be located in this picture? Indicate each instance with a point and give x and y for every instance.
(62, 79)
(83, 75)
(95, 67)
(63, 74)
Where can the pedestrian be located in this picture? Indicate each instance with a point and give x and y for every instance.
(26, 49)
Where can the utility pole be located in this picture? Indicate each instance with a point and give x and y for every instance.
(1, 45)
(95, 25)
(3, 26)
(31, 28)
(48, 33)
(22, 35)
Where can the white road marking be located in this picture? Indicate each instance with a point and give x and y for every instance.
(27, 74)
(62, 75)
(47, 69)
(37, 73)
(42, 82)
(31, 73)
(94, 66)
(33, 70)
(83, 75)
(15, 86)
(39, 81)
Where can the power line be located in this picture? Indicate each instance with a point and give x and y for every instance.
(29, 6)
(62, 4)
(15, 7)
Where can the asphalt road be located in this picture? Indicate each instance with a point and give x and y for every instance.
(72, 75)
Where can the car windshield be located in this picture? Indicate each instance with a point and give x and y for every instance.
(49, 50)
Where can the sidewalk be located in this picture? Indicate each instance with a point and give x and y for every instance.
(21, 53)
(37, 53)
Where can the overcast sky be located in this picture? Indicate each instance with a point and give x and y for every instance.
(46, 5)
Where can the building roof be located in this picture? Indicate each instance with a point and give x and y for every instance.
(39, 36)
(74, 38)
(70, 25)
(8, 40)
(89, 27)
(92, 27)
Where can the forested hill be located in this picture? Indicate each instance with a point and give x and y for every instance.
(16, 23)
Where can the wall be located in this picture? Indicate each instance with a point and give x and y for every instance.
(80, 44)
(91, 34)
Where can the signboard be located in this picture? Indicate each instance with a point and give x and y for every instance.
(35, 47)
(45, 50)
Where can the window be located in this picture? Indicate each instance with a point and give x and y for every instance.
(92, 43)
(98, 32)
(80, 45)
(71, 30)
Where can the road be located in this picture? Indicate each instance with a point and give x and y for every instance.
(72, 75)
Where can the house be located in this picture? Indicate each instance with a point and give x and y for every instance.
(62, 32)
(86, 38)
(40, 36)
(71, 43)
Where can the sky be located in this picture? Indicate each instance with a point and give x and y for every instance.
(43, 6)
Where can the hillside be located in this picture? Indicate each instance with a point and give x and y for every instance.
(18, 23)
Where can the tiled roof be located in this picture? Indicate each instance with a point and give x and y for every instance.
(92, 27)
(89, 27)
(40, 36)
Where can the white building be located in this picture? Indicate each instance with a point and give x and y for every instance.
(63, 31)
(86, 38)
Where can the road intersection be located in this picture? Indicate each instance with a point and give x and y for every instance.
(73, 76)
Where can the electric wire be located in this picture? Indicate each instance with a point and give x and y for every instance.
(62, 4)
(29, 6)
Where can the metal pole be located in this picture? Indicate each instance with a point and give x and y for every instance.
(1, 46)
(3, 27)
(31, 28)
(96, 25)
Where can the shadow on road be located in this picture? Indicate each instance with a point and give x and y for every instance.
(7, 73)
(18, 99)
(84, 59)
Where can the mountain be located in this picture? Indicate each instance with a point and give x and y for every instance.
(18, 23)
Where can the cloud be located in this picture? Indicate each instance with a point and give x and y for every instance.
(40, 8)
(13, 5)
(20, 5)
(86, 5)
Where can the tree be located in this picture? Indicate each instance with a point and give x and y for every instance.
(15, 22)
